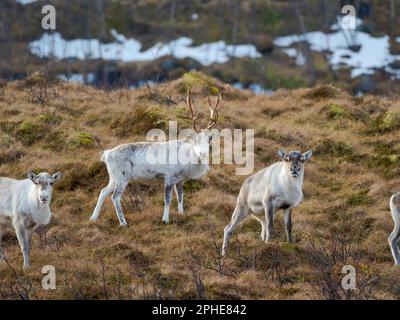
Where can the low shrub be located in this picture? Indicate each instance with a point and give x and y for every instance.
(29, 132)
(385, 122)
(138, 122)
(82, 140)
(322, 92)
(329, 147)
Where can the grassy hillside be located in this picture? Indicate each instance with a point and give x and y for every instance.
(344, 219)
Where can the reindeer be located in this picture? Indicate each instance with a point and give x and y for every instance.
(25, 205)
(278, 186)
(395, 235)
(130, 161)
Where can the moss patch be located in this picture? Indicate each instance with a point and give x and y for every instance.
(360, 198)
(335, 111)
(82, 139)
(329, 147)
(385, 122)
(199, 79)
(29, 132)
(49, 118)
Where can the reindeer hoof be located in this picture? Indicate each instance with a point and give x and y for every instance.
(26, 267)
(166, 221)
(123, 225)
(92, 220)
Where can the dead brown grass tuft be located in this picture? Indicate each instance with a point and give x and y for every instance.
(321, 92)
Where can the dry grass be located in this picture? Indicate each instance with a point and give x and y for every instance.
(344, 218)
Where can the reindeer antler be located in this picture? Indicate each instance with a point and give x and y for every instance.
(214, 112)
(194, 114)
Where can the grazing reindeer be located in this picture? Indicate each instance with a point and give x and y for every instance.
(277, 187)
(395, 235)
(24, 204)
(130, 161)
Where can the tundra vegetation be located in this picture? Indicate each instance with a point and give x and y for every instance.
(344, 218)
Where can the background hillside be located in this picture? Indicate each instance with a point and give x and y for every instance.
(345, 219)
(256, 23)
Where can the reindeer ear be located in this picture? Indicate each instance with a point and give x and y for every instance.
(32, 176)
(55, 177)
(282, 154)
(307, 155)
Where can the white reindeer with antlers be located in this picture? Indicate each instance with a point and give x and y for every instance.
(130, 161)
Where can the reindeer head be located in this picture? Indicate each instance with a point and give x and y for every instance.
(201, 140)
(295, 161)
(44, 185)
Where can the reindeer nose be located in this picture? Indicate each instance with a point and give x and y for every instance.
(44, 199)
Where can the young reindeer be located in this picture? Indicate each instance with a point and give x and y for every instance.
(25, 204)
(130, 161)
(395, 235)
(278, 186)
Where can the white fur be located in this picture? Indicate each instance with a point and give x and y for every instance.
(261, 194)
(24, 205)
(395, 235)
(131, 162)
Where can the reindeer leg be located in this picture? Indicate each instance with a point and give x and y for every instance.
(394, 243)
(103, 195)
(262, 222)
(116, 199)
(239, 214)
(179, 196)
(167, 200)
(23, 242)
(269, 220)
(288, 224)
(2, 254)
(395, 235)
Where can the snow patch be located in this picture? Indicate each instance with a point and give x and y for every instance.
(25, 1)
(357, 50)
(129, 50)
